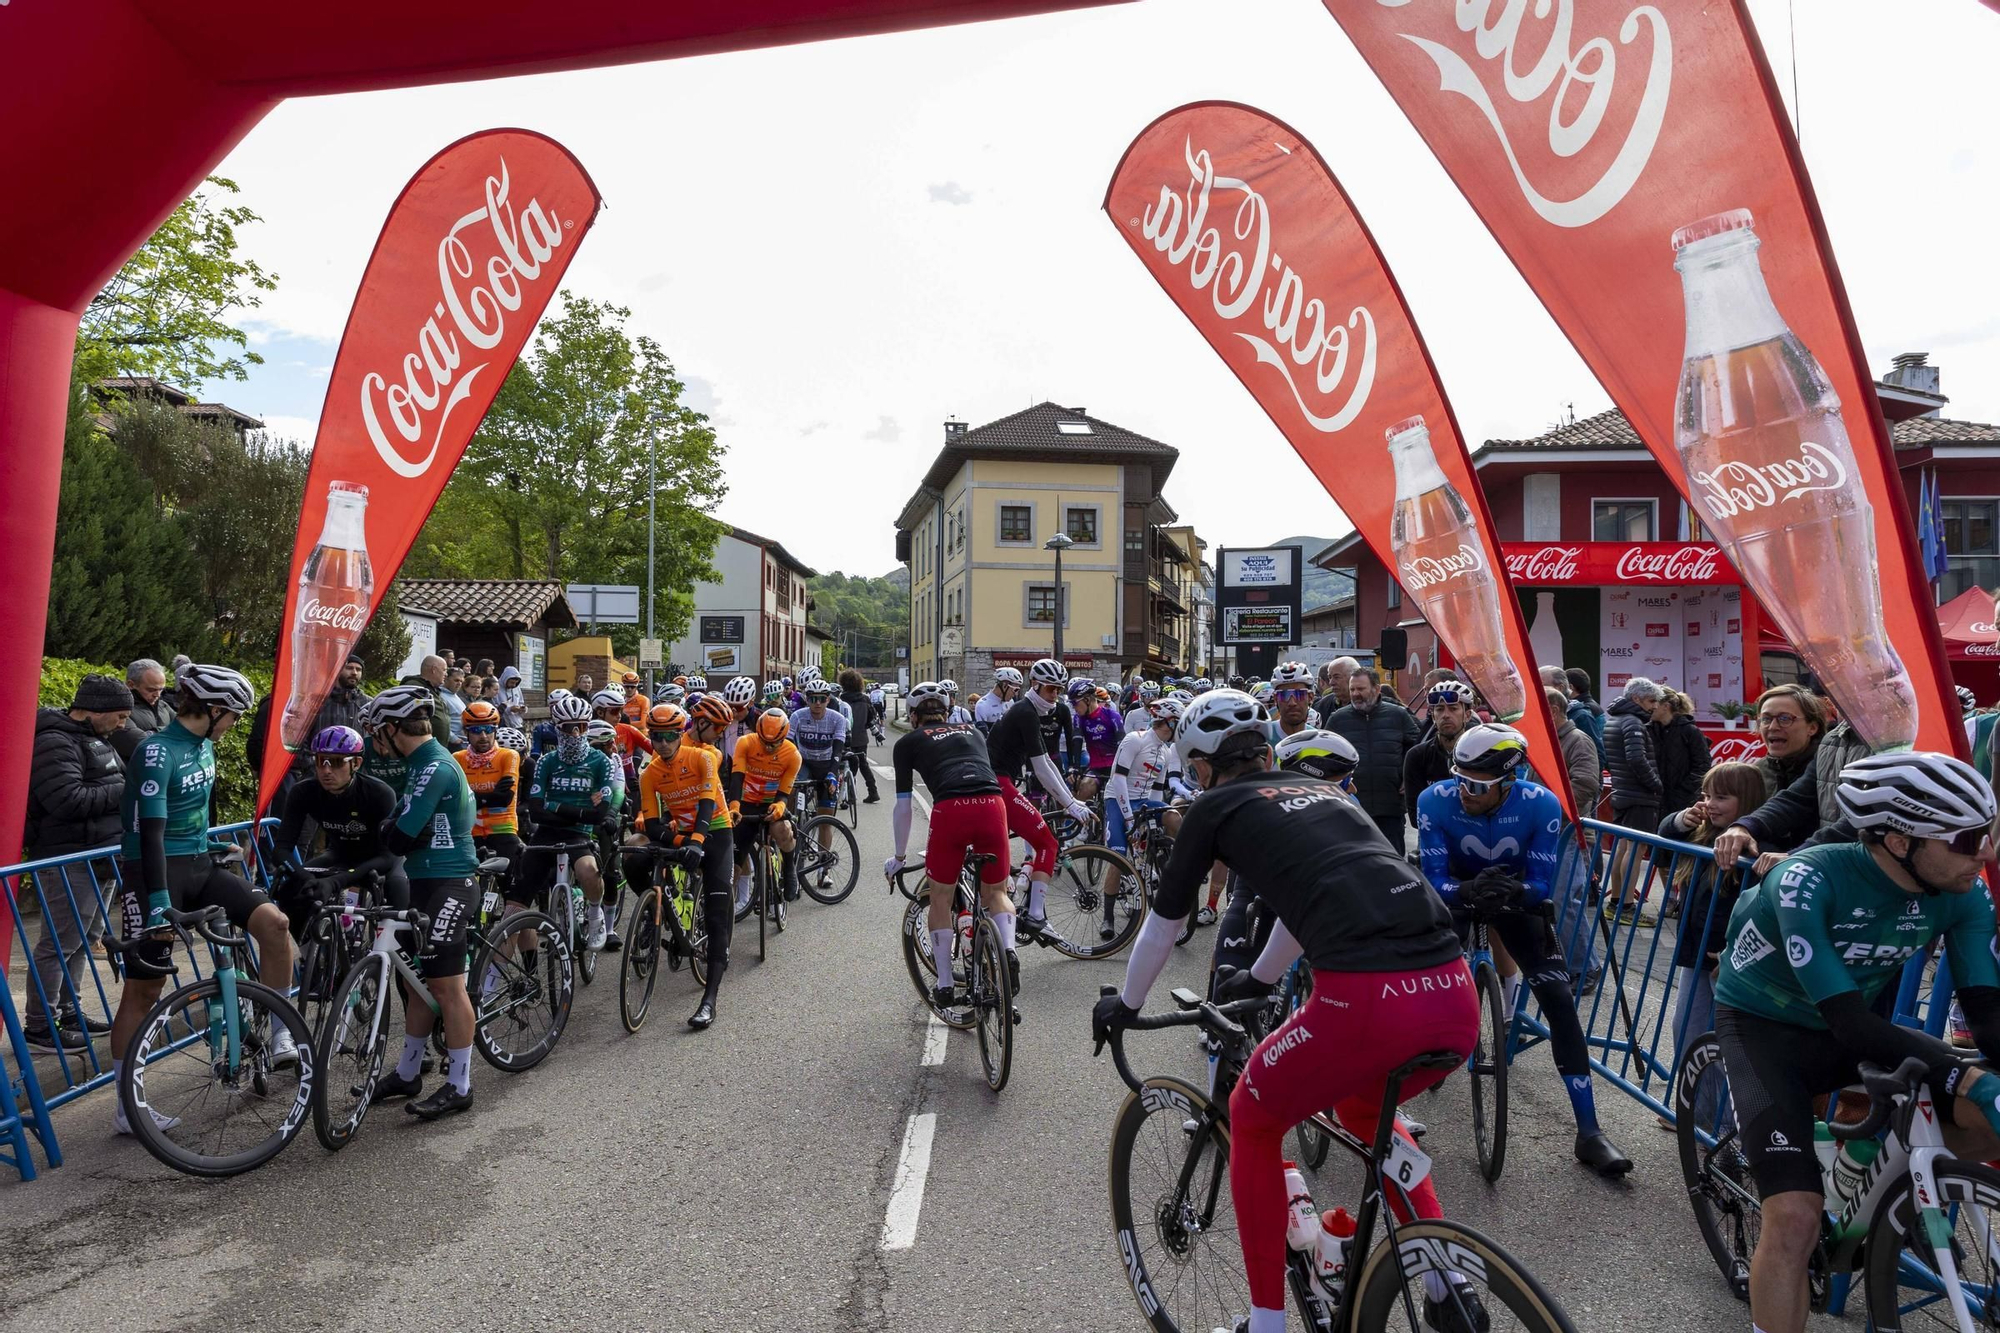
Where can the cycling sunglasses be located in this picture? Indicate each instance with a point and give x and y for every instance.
(1292, 692)
(572, 728)
(1477, 786)
(481, 731)
(662, 737)
(1967, 843)
(334, 760)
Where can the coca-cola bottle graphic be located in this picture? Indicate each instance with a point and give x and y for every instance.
(336, 591)
(1438, 555)
(1772, 473)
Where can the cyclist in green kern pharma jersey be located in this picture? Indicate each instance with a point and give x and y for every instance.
(570, 799)
(432, 832)
(380, 758)
(168, 864)
(1806, 954)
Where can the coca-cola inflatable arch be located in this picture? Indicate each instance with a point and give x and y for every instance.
(166, 88)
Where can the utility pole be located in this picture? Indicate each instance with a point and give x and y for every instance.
(652, 500)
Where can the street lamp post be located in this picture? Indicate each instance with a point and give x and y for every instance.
(1059, 543)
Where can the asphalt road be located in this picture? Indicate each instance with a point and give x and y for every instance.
(743, 1178)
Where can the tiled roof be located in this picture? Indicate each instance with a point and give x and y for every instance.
(1610, 430)
(508, 603)
(1032, 435)
(1919, 432)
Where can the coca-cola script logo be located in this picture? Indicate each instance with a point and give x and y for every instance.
(1734, 749)
(1738, 487)
(1688, 564)
(1551, 564)
(1581, 78)
(1426, 570)
(348, 615)
(434, 378)
(1241, 271)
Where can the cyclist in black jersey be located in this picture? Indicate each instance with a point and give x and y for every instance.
(350, 809)
(1018, 743)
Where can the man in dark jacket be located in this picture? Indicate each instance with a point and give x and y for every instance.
(1636, 788)
(1429, 760)
(151, 709)
(74, 791)
(1382, 732)
(1333, 678)
(342, 707)
(1583, 709)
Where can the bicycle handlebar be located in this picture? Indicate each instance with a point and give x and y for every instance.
(201, 922)
(1218, 1020)
(551, 848)
(1883, 1088)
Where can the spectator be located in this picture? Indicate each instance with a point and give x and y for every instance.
(430, 674)
(1802, 814)
(1429, 760)
(1791, 722)
(1586, 776)
(1682, 750)
(1382, 732)
(512, 700)
(483, 667)
(77, 783)
(1333, 687)
(343, 703)
(453, 701)
(1584, 710)
(585, 683)
(147, 680)
(489, 690)
(1636, 788)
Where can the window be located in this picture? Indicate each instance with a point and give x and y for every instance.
(1017, 523)
(1395, 594)
(1622, 520)
(1972, 540)
(1135, 543)
(1081, 525)
(1041, 604)
(1074, 428)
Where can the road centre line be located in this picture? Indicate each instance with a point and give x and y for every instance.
(936, 1032)
(906, 1198)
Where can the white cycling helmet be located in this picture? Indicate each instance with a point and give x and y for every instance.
(1149, 689)
(1008, 676)
(1203, 685)
(608, 699)
(1291, 673)
(697, 684)
(949, 687)
(740, 692)
(570, 708)
(216, 686)
(927, 692)
(557, 693)
(1214, 720)
(514, 739)
(1922, 795)
(399, 703)
(1261, 691)
(1048, 671)
(1489, 751)
(671, 694)
(601, 732)
(1182, 697)
(1168, 709)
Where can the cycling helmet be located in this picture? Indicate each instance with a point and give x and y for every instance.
(667, 717)
(673, 694)
(514, 739)
(601, 732)
(1008, 676)
(400, 703)
(1182, 697)
(217, 686)
(569, 709)
(337, 740)
(1048, 671)
(697, 684)
(710, 709)
(1450, 692)
(925, 694)
(787, 680)
(607, 699)
(948, 686)
(1212, 726)
(1922, 795)
(1203, 685)
(1103, 695)
(1489, 751)
(1168, 709)
(1292, 673)
(1149, 689)
(1323, 754)
(1261, 691)
(629, 678)
(773, 726)
(773, 691)
(557, 693)
(479, 713)
(740, 692)
(1968, 702)
(1081, 685)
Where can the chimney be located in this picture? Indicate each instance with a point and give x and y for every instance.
(1914, 371)
(953, 430)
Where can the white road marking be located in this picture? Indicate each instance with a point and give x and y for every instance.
(923, 802)
(906, 1198)
(935, 1033)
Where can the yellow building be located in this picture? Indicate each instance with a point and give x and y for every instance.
(975, 539)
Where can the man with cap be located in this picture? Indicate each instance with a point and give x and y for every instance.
(77, 782)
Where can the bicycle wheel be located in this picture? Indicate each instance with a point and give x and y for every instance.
(992, 1004)
(1726, 1206)
(1908, 1284)
(922, 964)
(523, 1003)
(774, 875)
(1314, 1142)
(1488, 1068)
(694, 925)
(217, 1118)
(322, 965)
(760, 900)
(1171, 1208)
(579, 948)
(1078, 901)
(827, 873)
(353, 1039)
(1496, 1276)
(850, 804)
(640, 969)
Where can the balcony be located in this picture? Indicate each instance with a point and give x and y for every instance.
(1162, 644)
(1166, 589)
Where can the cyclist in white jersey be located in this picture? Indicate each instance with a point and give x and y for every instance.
(956, 714)
(1137, 719)
(993, 705)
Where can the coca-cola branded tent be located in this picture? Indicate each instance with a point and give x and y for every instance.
(174, 84)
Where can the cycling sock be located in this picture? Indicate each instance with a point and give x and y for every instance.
(1582, 1101)
(1038, 893)
(459, 1068)
(412, 1063)
(1510, 992)
(941, 950)
(1266, 1321)
(743, 886)
(1004, 923)
(491, 981)
(1434, 1284)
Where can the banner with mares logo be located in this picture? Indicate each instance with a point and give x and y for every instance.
(1243, 224)
(1636, 164)
(473, 250)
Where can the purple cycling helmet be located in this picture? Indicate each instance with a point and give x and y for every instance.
(337, 740)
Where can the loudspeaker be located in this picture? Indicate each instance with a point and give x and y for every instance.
(1394, 649)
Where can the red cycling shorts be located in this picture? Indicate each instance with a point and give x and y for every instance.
(961, 822)
(1025, 822)
(1336, 1050)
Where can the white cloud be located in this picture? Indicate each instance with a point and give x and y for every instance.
(300, 430)
(950, 192)
(886, 430)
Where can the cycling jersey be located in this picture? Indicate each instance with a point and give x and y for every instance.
(635, 708)
(1102, 729)
(172, 771)
(565, 794)
(495, 779)
(1828, 921)
(1320, 863)
(1523, 835)
(766, 775)
(437, 812)
(820, 740)
(391, 768)
(1145, 768)
(673, 790)
(617, 780)
(958, 715)
(1016, 739)
(951, 758)
(351, 819)
(991, 708)
(630, 740)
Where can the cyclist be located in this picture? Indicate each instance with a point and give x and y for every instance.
(492, 762)
(1489, 841)
(878, 712)
(954, 713)
(739, 694)
(697, 685)
(627, 739)
(1099, 728)
(381, 760)
(163, 816)
(996, 701)
(350, 808)
(432, 832)
(1429, 760)
(860, 716)
(570, 798)
(633, 705)
(774, 696)
(1808, 951)
(603, 737)
(1016, 745)
(682, 807)
(820, 732)
(1291, 697)
(1138, 719)
(761, 774)
(545, 735)
(1389, 980)
(967, 814)
(1145, 775)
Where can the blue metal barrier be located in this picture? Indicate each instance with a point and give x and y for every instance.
(78, 897)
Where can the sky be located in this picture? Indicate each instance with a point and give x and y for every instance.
(844, 244)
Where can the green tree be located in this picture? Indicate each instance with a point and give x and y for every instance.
(868, 617)
(553, 485)
(166, 313)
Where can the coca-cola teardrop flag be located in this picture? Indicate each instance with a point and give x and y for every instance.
(473, 250)
(1635, 163)
(1240, 220)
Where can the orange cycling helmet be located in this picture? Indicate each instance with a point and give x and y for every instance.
(710, 709)
(667, 717)
(629, 678)
(773, 726)
(479, 713)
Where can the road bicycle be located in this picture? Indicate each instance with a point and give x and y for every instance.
(1095, 900)
(199, 1085)
(1490, 1056)
(828, 873)
(567, 907)
(1176, 1226)
(849, 803)
(1919, 1225)
(668, 921)
(978, 964)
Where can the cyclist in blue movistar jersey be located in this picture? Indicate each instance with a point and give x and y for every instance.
(820, 732)
(1490, 842)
